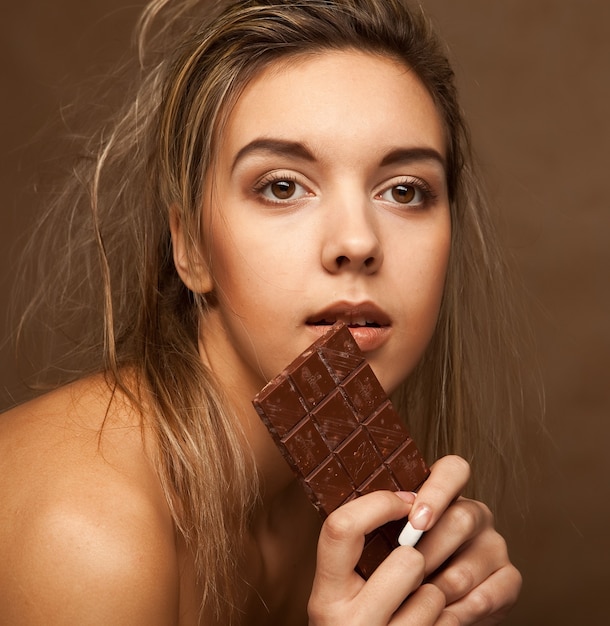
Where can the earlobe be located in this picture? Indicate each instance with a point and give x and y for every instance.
(191, 268)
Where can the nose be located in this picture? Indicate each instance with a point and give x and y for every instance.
(352, 242)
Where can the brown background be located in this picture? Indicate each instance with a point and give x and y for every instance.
(536, 88)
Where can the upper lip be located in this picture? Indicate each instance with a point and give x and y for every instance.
(352, 314)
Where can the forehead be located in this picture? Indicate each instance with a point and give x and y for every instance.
(336, 96)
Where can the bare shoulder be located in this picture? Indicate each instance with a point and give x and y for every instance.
(85, 534)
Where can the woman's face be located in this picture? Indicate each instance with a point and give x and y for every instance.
(329, 203)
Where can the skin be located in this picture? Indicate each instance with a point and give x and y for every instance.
(85, 534)
(90, 540)
(340, 240)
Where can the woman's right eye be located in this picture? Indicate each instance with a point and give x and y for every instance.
(280, 189)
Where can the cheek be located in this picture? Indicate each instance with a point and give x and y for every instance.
(438, 264)
(436, 275)
(425, 262)
(250, 267)
(425, 289)
(418, 284)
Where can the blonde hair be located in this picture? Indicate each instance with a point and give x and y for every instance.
(113, 297)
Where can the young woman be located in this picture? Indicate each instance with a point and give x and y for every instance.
(279, 166)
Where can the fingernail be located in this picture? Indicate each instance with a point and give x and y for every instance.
(406, 496)
(421, 518)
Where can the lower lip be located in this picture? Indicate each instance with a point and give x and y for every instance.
(368, 338)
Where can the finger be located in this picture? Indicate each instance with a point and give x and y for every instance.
(462, 522)
(472, 566)
(395, 579)
(399, 576)
(448, 477)
(489, 603)
(342, 538)
(423, 608)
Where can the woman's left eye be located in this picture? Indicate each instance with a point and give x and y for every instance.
(408, 194)
(281, 189)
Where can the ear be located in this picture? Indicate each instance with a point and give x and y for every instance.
(192, 269)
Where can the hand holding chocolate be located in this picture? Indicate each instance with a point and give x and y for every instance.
(340, 434)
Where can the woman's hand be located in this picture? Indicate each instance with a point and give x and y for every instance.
(341, 596)
(461, 559)
(465, 557)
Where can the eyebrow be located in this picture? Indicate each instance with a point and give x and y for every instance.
(274, 147)
(298, 150)
(410, 155)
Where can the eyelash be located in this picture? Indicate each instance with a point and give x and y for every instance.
(275, 177)
(420, 185)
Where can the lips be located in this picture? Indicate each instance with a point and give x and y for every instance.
(351, 321)
(354, 315)
(369, 324)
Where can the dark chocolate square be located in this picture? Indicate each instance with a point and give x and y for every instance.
(306, 447)
(335, 418)
(364, 391)
(386, 429)
(392, 530)
(341, 353)
(359, 457)
(376, 549)
(330, 485)
(408, 466)
(313, 379)
(280, 406)
(381, 479)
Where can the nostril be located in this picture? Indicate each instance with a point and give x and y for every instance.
(343, 260)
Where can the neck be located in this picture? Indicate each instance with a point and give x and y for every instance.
(277, 480)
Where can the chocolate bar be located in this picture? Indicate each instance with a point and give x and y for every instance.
(340, 434)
